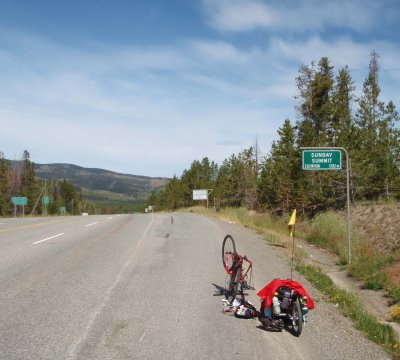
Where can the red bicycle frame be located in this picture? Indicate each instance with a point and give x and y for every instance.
(238, 262)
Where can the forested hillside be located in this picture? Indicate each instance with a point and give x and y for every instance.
(328, 115)
(71, 189)
(19, 180)
(99, 184)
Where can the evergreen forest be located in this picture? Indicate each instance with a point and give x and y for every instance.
(329, 114)
(18, 179)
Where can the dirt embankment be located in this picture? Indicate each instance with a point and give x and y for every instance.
(380, 225)
(380, 228)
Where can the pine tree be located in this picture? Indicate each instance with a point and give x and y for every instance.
(279, 172)
(314, 128)
(369, 120)
(28, 181)
(388, 148)
(342, 130)
(5, 173)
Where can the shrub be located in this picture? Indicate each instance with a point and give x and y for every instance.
(369, 269)
(382, 334)
(329, 230)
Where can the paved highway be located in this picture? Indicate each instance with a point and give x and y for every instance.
(140, 287)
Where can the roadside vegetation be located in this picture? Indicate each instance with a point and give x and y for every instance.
(260, 191)
(381, 334)
(329, 231)
(263, 190)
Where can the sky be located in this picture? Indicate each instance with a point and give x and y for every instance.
(145, 87)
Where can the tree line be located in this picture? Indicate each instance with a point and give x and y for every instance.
(329, 114)
(18, 179)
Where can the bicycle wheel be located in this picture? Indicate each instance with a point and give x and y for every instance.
(233, 286)
(297, 318)
(228, 253)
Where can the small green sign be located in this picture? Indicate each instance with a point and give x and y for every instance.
(19, 200)
(322, 160)
(45, 200)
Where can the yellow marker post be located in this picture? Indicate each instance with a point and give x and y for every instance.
(292, 223)
(291, 226)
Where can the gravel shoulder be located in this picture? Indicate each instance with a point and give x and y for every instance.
(374, 302)
(326, 327)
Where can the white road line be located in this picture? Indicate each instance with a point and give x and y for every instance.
(51, 237)
(109, 218)
(96, 222)
(142, 337)
(74, 350)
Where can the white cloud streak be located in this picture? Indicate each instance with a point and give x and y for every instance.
(153, 110)
(296, 16)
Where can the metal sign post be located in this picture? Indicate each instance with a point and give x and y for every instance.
(19, 201)
(202, 194)
(328, 158)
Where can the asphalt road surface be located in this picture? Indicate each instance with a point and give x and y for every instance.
(141, 287)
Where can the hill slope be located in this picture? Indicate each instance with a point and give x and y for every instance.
(99, 184)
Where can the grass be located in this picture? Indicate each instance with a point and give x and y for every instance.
(381, 334)
(369, 269)
(329, 230)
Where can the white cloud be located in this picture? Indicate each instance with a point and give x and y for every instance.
(239, 15)
(153, 110)
(342, 52)
(298, 16)
(219, 51)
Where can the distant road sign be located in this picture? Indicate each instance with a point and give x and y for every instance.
(45, 200)
(200, 194)
(19, 200)
(322, 160)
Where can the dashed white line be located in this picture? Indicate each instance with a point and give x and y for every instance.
(142, 337)
(94, 223)
(74, 350)
(51, 237)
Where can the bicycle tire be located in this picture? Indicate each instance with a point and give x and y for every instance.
(233, 285)
(228, 253)
(297, 318)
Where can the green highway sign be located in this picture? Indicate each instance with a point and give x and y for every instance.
(45, 200)
(19, 200)
(322, 159)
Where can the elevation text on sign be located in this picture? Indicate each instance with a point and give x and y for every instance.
(322, 160)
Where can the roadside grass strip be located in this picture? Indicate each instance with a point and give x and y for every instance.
(369, 325)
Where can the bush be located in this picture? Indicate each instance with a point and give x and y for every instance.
(382, 334)
(393, 293)
(329, 230)
(369, 269)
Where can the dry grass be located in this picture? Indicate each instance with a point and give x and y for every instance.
(394, 273)
(380, 226)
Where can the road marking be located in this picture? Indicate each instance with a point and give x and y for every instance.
(142, 337)
(29, 226)
(94, 223)
(109, 218)
(75, 347)
(51, 237)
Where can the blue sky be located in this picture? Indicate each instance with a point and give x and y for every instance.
(147, 87)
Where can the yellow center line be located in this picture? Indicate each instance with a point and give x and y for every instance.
(29, 226)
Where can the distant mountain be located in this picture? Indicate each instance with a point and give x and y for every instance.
(99, 184)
